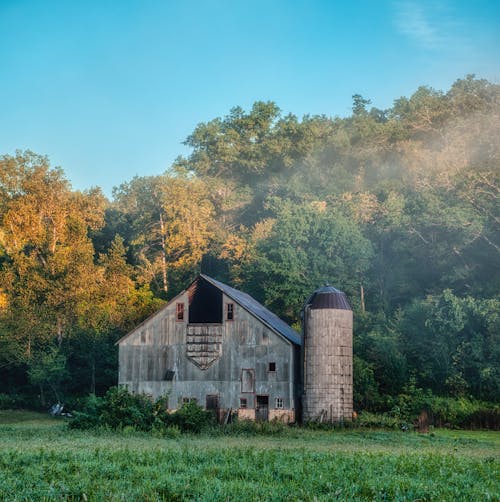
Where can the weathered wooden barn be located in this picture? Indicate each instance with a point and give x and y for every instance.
(220, 347)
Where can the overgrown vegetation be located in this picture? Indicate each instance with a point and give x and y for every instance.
(398, 208)
(46, 461)
(119, 409)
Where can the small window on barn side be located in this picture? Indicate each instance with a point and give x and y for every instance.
(169, 375)
(186, 400)
(272, 367)
(278, 403)
(230, 311)
(179, 312)
(243, 402)
(143, 337)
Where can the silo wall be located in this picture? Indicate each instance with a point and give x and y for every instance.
(328, 368)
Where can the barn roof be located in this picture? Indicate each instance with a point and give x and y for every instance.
(258, 310)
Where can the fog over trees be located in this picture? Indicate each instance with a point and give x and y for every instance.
(399, 208)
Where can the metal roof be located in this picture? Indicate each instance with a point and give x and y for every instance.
(328, 297)
(254, 307)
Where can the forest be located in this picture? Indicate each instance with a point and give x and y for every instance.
(398, 208)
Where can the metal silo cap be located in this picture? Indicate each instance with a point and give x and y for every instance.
(328, 297)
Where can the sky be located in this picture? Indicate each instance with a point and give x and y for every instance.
(109, 89)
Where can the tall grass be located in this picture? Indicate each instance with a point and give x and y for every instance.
(46, 461)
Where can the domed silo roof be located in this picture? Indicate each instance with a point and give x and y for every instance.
(328, 297)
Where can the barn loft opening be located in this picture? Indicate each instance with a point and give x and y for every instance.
(205, 303)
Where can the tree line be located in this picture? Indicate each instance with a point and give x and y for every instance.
(398, 208)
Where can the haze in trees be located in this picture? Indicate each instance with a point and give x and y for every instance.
(397, 207)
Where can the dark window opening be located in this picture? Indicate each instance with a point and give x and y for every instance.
(278, 403)
(212, 402)
(169, 375)
(272, 367)
(186, 400)
(243, 402)
(230, 311)
(205, 303)
(143, 337)
(179, 309)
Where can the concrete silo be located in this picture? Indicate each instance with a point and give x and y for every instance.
(327, 356)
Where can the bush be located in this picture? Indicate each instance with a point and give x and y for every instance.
(382, 420)
(122, 409)
(444, 411)
(463, 413)
(89, 415)
(19, 402)
(119, 409)
(191, 418)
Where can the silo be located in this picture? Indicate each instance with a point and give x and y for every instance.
(327, 371)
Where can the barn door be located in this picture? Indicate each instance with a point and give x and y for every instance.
(262, 408)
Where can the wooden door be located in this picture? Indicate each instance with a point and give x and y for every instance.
(212, 402)
(262, 408)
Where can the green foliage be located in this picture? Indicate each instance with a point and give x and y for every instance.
(45, 461)
(48, 369)
(254, 428)
(366, 394)
(307, 245)
(19, 402)
(401, 202)
(120, 409)
(191, 417)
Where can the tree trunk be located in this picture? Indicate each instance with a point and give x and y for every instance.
(92, 376)
(163, 255)
(42, 395)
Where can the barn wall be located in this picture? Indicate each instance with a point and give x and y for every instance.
(160, 346)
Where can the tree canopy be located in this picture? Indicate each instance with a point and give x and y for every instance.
(397, 207)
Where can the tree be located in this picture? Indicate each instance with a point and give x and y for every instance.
(172, 224)
(49, 265)
(308, 244)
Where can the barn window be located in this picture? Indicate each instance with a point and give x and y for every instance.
(187, 400)
(179, 310)
(143, 337)
(272, 367)
(212, 402)
(248, 380)
(243, 402)
(169, 375)
(230, 311)
(278, 403)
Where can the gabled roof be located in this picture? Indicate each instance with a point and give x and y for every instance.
(254, 307)
(251, 305)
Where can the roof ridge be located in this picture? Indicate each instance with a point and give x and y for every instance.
(249, 303)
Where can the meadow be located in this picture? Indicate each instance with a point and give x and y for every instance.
(41, 459)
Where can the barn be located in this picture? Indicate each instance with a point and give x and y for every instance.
(220, 347)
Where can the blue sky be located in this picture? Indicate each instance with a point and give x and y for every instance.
(109, 89)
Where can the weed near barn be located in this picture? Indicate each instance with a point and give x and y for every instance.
(44, 460)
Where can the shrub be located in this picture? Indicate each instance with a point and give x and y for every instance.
(122, 409)
(191, 418)
(19, 402)
(119, 409)
(89, 415)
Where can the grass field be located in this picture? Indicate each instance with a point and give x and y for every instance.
(40, 459)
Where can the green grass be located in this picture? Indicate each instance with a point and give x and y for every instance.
(40, 459)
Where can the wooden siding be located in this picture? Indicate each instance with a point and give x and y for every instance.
(163, 346)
